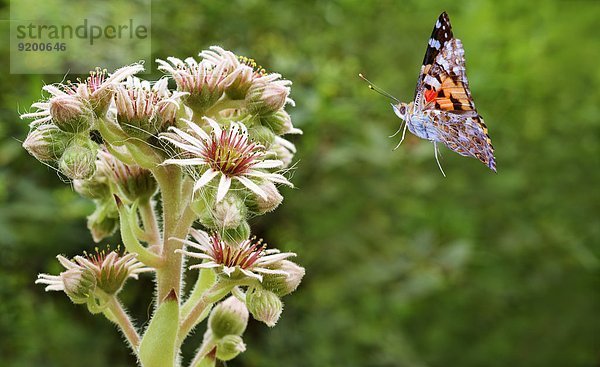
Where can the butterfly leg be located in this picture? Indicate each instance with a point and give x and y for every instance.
(435, 150)
(403, 135)
(397, 131)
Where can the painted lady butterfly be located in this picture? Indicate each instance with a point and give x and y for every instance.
(443, 109)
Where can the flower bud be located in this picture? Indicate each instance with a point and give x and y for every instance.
(201, 81)
(229, 347)
(238, 82)
(279, 122)
(229, 317)
(111, 270)
(270, 202)
(70, 114)
(104, 221)
(262, 135)
(265, 98)
(47, 143)
(95, 187)
(284, 151)
(132, 182)
(238, 234)
(79, 159)
(79, 284)
(283, 284)
(264, 305)
(230, 212)
(202, 204)
(85, 275)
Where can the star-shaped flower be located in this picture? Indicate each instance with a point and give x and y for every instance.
(225, 153)
(248, 258)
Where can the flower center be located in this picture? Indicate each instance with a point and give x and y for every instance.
(231, 153)
(244, 256)
(96, 79)
(258, 70)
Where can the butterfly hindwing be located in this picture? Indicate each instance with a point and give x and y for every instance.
(466, 134)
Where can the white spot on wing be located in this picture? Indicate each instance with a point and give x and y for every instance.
(437, 24)
(434, 43)
(431, 81)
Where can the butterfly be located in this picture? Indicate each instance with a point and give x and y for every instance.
(443, 110)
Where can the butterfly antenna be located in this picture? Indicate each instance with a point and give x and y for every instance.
(378, 90)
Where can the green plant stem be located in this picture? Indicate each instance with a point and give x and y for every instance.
(142, 153)
(150, 223)
(206, 278)
(176, 224)
(120, 317)
(201, 359)
(212, 295)
(130, 241)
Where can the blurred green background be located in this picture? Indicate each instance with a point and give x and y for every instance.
(404, 267)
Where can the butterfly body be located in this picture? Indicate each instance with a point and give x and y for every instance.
(443, 110)
(419, 123)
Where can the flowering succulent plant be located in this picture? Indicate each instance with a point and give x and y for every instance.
(214, 150)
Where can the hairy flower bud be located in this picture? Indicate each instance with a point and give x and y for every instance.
(238, 82)
(71, 114)
(264, 305)
(279, 122)
(237, 234)
(227, 214)
(79, 284)
(230, 212)
(79, 159)
(94, 275)
(96, 187)
(229, 317)
(104, 221)
(262, 135)
(283, 284)
(200, 81)
(132, 182)
(47, 143)
(284, 151)
(111, 269)
(229, 347)
(267, 97)
(271, 200)
(144, 110)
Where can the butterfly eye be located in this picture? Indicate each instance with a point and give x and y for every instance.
(402, 110)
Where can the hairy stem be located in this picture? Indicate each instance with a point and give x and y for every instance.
(120, 317)
(126, 216)
(206, 278)
(175, 225)
(150, 223)
(201, 359)
(212, 295)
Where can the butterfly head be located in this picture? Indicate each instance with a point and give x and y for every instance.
(402, 109)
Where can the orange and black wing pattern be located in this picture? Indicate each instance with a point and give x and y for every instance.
(443, 93)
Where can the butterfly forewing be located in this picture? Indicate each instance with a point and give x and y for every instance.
(443, 94)
(442, 32)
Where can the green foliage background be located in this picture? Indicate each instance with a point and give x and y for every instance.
(404, 267)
